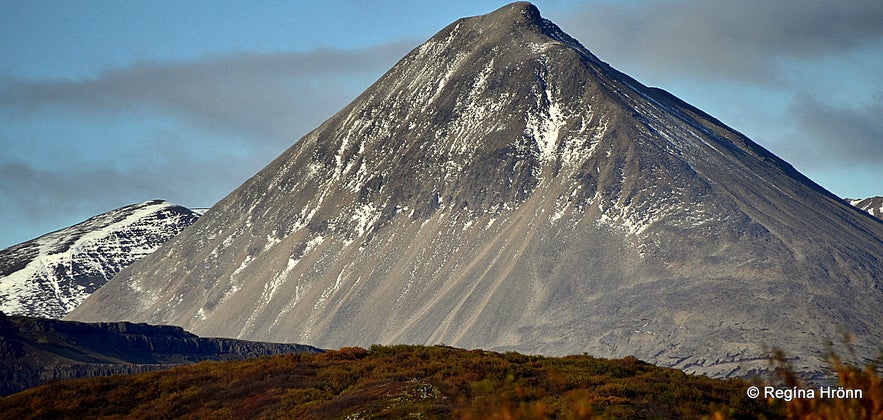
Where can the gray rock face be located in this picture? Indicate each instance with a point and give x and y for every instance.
(502, 188)
(35, 350)
(873, 205)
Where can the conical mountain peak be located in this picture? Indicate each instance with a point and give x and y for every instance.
(518, 23)
(502, 188)
(520, 17)
(517, 12)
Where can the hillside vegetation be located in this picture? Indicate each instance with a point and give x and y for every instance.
(396, 382)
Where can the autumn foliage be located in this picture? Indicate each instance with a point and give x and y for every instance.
(852, 377)
(394, 382)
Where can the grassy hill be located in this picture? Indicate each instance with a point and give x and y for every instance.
(396, 382)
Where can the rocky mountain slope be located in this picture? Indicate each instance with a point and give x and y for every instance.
(873, 205)
(52, 274)
(503, 188)
(36, 350)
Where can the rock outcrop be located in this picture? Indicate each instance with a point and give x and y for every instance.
(36, 350)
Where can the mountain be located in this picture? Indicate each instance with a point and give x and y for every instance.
(502, 188)
(873, 205)
(37, 350)
(52, 274)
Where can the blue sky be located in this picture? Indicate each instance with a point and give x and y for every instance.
(108, 103)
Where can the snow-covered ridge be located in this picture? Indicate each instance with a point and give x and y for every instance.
(50, 275)
(872, 205)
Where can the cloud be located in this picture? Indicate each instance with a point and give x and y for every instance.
(267, 97)
(797, 75)
(188, 132)
(37, 190)
(234, 112)
(724, 40)
(37, 201)
(52, 198)
(829, 135)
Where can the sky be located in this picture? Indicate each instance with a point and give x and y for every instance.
(110, 103)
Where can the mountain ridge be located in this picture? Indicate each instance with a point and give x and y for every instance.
(502, 188)
(37, 350)
(871, 205)
(50, 275)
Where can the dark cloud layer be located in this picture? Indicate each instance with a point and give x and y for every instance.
(773, 47)
(51, 197)
(722, 39)
(237, 112)
(836, 136)
(267, 97)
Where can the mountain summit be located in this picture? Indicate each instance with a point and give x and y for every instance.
(501, 187)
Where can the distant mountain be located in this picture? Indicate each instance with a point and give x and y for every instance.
(502, 188)
(873, 205)
(36, 350)
(52, 274)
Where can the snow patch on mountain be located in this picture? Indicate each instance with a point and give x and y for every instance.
(872, 205)
(52, 274)
(545, 126)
